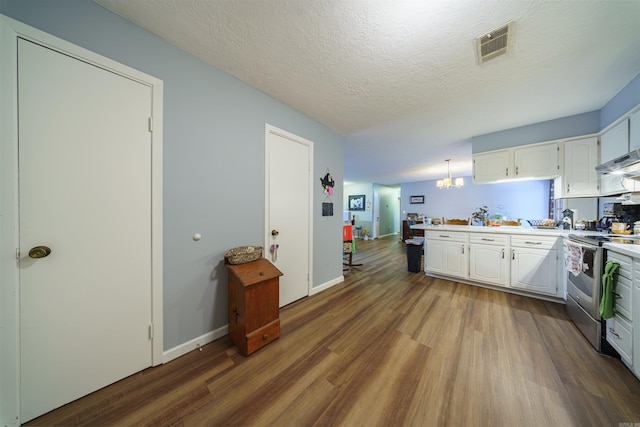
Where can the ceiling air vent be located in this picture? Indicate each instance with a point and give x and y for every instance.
(494, 43)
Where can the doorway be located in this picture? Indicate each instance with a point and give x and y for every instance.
(288, 219)
(83, 196)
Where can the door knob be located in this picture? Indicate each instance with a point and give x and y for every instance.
(274, 233)
(39, 252)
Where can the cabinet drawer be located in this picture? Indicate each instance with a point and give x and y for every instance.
(624, 261)
(619, 335)
(452, 236)
(530, 241)
(624, 297)
(488, 239)
(263, 336)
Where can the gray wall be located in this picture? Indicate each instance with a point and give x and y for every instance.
(213, 160)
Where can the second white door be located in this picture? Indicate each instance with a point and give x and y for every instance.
(288, 223)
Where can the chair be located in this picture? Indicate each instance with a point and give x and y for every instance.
(456, 221)
(513, 223)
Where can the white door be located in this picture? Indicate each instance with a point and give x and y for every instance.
(376, 215)
(288, 222)
(85, 193)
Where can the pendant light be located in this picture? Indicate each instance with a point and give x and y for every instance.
(448, 183)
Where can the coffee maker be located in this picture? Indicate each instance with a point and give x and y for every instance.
(604, 223)
(617, 212)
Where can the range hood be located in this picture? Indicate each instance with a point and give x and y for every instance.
(627, 166)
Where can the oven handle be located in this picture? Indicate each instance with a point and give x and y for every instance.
(584, 245)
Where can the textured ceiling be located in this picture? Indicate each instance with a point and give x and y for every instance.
(400, 78)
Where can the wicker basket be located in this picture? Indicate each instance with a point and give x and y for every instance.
(538, 223)
(242, 254)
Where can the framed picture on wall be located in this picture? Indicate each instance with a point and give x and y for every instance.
(356, 203)
(417, 200)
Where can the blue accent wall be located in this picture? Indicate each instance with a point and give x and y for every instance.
(213, 167)
(623, 102)
(566, 127)
(525, 199)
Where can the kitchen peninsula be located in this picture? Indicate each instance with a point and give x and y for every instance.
(526, 261)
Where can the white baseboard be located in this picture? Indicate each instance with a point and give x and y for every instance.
(326, 285)
(194, 344)
(197, 342)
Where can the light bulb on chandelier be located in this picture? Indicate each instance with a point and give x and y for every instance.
(448, 183)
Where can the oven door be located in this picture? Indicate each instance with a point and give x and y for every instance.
(585, 287)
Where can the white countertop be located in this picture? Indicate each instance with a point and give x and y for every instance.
(632, 250)
(505, 230)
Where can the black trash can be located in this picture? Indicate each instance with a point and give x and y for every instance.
(414, 254)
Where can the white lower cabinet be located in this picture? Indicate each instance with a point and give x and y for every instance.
(520, 262)
(620, 326)
(447, 253)
(489, 258)
(619, 335)
(534, 264)
(635, 336)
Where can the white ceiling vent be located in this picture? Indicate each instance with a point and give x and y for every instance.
(494, 43)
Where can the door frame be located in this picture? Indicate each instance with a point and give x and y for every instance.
(270, 129)
(10, 31)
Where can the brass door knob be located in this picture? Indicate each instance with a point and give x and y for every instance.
(39, 252)
(274, 233)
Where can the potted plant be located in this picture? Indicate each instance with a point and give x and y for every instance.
(479, 217)
(365, 234)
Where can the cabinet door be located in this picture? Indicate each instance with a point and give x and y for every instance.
(611, 184)
(534, 270)
(620, 336)
(615, 142)
(634, 131)
(492, 166)
(636, 306)
(447, 258)
(580, 161)
(537, 161)
(489, 264)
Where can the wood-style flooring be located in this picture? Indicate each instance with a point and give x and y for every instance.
(385, 348)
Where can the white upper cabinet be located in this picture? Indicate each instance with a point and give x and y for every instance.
(615, 142)
(492, 166)
(580, 161)
(634, 131)
(534, 161)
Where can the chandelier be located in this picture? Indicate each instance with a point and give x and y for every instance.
(448, 183)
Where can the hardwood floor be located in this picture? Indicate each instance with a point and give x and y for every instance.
(388, 348)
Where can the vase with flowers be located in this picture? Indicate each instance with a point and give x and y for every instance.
(365, 234)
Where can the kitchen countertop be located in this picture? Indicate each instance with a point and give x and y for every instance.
(632, 250)
(506, 230)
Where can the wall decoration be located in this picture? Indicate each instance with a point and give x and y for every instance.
(357, 203)
(327, 187)
(327, 183)
(415, 200)
(327, 209)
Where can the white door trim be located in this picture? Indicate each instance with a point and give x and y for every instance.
(269, 129)
(10, 31)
